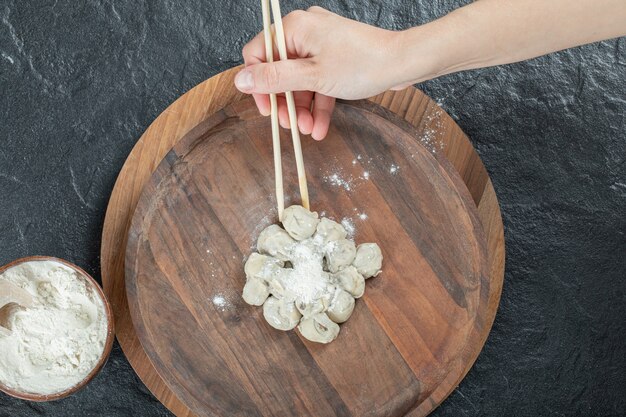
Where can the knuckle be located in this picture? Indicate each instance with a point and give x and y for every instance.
(311, 75)
(246, 50)
(295, 15)
(315, 9)
(254, 49)
(271, 76)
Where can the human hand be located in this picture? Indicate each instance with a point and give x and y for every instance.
(330, 57)
(334, 57)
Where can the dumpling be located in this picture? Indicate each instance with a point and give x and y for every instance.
(255, 292)
(341, 306)
(368, 260)
(319, 328)
(310, 307)
(280, 314)
(329, 231)
(319, 303)
(307, 274)
(280, 286)
(307, 255)
(350, 280)
(340, 254)
(262, 267)
(299, 222)
(275, 241)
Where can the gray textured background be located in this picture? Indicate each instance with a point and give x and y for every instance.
(81, 80)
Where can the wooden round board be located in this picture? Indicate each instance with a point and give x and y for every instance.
(433, 128)
(199, 217)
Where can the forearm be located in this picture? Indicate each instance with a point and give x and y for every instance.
(493, 32)
(342, 58)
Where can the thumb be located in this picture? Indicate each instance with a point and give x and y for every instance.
(277, 77)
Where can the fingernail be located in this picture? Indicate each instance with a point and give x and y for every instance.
(244, 81)
(317, 136)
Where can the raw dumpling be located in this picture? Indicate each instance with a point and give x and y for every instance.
(351, 281)
(278, 286)
(299, 222)
(280, 314)
(275, 241)
(341, 306)
(312, 307)
(368, 260)
(262, 267)
(284, 285)
(319, 303)
(340, 254)
(308, 273)
(329, 231)
(319, 328)
(255, 292)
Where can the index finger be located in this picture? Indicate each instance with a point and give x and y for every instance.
(254, 53)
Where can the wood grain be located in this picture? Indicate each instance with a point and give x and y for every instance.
(422, 118)
(198, 217)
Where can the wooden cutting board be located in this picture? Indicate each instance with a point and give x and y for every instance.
(419, 115)
(198, 219)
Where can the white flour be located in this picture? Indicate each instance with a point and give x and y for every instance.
(55, 343)
(348, 224)
(337, 180)
(219, 301)
(307, 280)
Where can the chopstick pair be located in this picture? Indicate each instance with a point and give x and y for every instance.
(291, 108)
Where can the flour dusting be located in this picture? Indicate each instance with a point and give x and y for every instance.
(307, 281)
(338, 181)
(339, 178)
(348, 224)
(432, 135)
(220, 302)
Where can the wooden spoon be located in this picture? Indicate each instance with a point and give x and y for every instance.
(11, 294)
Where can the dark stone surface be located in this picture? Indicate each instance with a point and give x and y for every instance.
(81, 80)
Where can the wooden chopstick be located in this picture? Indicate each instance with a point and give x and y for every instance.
(291, 107)
(278, 169)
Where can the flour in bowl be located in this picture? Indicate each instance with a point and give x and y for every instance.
(55, 343)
